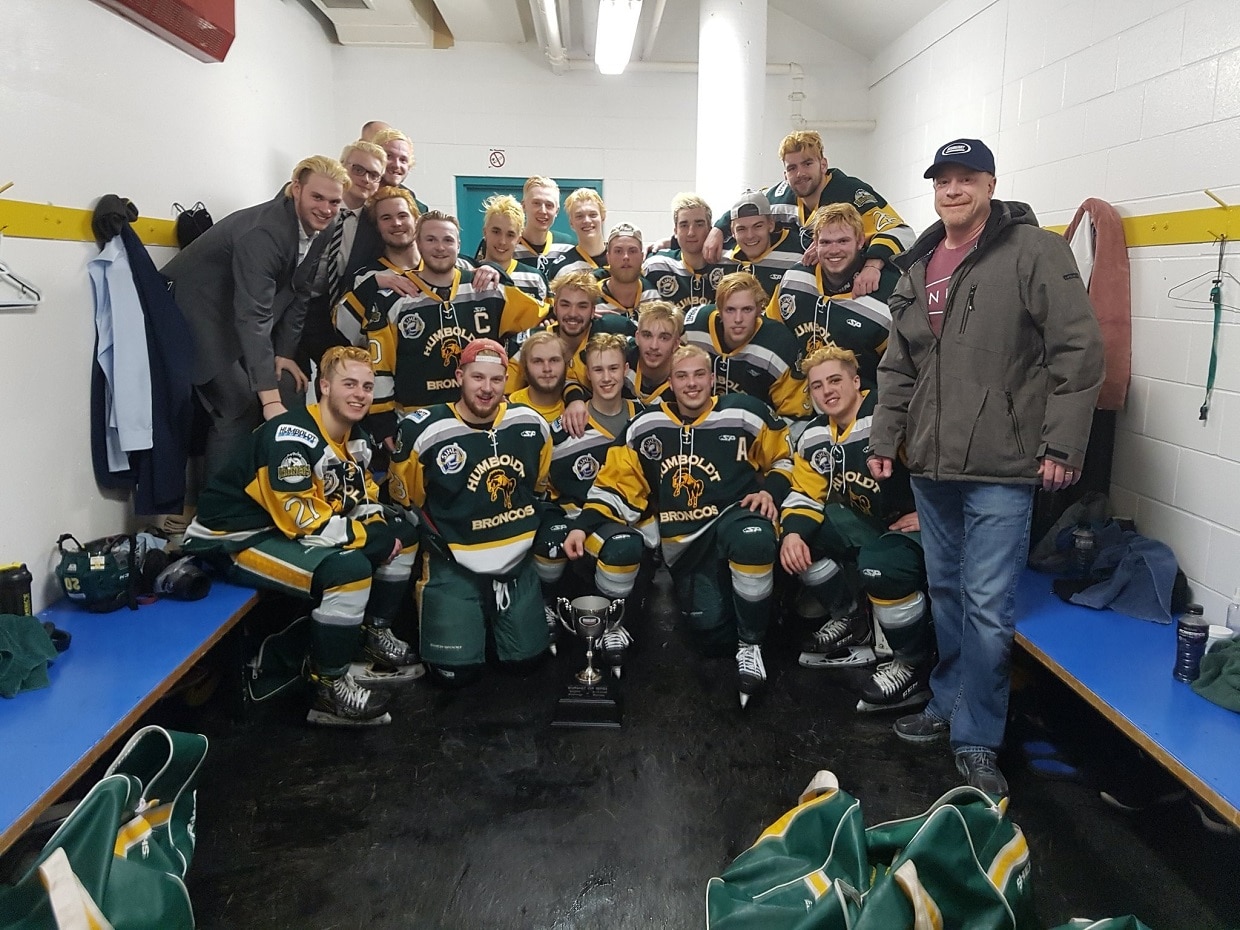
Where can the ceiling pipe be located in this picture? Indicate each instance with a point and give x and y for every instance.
(655, 21)
(672, 67)
(544, 12)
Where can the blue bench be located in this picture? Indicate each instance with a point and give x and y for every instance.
(117, 666)
(1122, 667)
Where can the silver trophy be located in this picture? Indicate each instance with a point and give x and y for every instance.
(590, 701)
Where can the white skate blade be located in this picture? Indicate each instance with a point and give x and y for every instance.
(616, 671)
(366, 675)
(322, 718)
(856, 657)
(913, 700)
(744, 699)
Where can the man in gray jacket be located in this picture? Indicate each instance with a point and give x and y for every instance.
(243, 286)
(987, 390)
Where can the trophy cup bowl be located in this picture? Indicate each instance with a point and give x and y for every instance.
(590, 701)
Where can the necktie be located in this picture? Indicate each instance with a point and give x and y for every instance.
(335, 260)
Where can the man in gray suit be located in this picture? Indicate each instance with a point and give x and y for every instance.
(243, 286)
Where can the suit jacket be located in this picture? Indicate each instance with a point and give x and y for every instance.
(318, 334)
(244, 292)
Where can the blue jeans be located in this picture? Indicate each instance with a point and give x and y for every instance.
(976, 539)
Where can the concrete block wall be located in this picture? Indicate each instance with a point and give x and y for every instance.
(1136, 102)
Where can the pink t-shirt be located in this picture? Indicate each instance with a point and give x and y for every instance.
(943, 263)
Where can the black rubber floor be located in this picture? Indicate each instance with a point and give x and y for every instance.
(470, 812)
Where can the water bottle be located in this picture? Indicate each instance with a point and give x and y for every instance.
(1084, 550)
(1233, 613)
(1191, 633)
(15, 581)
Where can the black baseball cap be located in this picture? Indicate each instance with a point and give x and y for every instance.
(972, 153)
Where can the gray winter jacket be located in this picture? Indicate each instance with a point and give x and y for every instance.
(1016, 371)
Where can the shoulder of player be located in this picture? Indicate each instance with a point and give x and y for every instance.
(295, 428)
(844, 188)
(816, 434)
(517, 415)
(746, 408)
(698, 318)
(417, 426)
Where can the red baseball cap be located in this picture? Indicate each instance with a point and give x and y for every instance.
(484, 350)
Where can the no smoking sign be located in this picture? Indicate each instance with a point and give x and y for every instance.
(497, 158)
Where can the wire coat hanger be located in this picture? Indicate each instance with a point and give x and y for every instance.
(28, 295)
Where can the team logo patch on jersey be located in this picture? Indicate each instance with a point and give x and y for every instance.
(787, 304)
(293, 469)
(651, 448)
(331, 483)
(883, 220)
(668, 285)
(417, 416)
(287, 431)
(716, 275)
(501, 484)
(411, 325)
(586, 467)
(821, 462)
(863, 198)
(807, 237)
(451, 459)
(557, 425)
(692, 314)
(374, 315)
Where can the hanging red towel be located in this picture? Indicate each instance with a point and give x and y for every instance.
(1110, 291)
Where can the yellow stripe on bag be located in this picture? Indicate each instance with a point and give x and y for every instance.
(1009, 860)
(818, 883)
(132, 834)
(780, 826)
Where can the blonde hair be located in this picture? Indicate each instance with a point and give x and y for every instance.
(335, 358)
(661, 311)
(845, 214)
(503, 205)
(317, 164)
(692, 350)
(583, 281)
(830, 353)
(687, 201)
(582, 195)
(391, 192)
(366, 148)
(800, 139)
(605, 342)
(384, 136)
(435, 215)
(533, 341)
(739, 282)
(539, 181)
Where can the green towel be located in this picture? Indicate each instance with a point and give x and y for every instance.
(25, 649)
(1219, 680)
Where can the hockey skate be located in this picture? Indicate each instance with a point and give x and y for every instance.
(895, 684)
(842, 642)
(751, 670)
(614, 643)
(387, 660)
(342, 702)
(553, 627)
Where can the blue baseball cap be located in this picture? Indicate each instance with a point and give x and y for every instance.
(972, 153)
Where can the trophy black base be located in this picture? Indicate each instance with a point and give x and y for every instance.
(590, 706)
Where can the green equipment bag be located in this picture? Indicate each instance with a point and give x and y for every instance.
(279, 664)
(1111, 923)
(119, 859)
(101, 575)
(962, 863)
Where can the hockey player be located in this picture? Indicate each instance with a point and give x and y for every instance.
(711, 470)
(586, 215)
(682, 276)
(399, 149)
(839, 521)
(542, 369)
(818, 304)
(415, 341)
(538, 247)
(808, 184)
(624, 288)
(295, 510)
(574, 464)
(762, 248)
(660, 327)
(502, 222)
(574, 297)
(476, 468)
(750, 353)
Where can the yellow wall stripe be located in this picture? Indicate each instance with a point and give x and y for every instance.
(1182, 227)
(24, 220)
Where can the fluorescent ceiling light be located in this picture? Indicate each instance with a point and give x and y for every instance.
(617, 27)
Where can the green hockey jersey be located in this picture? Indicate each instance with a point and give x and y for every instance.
(689, 473)
(785, 252)
(679, 283)
(575, 462)
(476, 487)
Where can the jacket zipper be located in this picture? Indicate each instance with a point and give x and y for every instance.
(968, 308)
(1011, 404)
(938, 346)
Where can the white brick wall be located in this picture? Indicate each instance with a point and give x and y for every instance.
(1136, 102)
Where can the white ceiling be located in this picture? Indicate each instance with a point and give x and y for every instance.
(864, 27)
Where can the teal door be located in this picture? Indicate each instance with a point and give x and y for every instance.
(471, 191)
